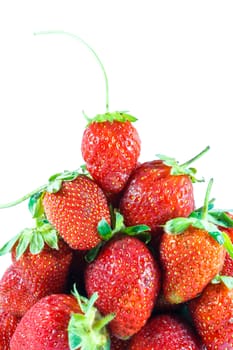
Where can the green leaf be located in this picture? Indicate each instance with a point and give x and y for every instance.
(227, 244)
(24, 242)
(7, 247)
(54, 186)
(104, 229)
(92, 253)
(111, 117)
(227, 280)
(218, 236)
(51, 238)
(136, 230)
(107, 346)
(36, 242)
(35, 205)
(178, 225)
(119, 222)
(74, 339)
(220, 218)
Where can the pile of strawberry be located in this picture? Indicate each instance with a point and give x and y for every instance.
(119, 257)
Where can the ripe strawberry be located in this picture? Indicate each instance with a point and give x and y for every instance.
(15, 297)
(165, 331)
(158, 191)
(8, 325)
(190, 260)
(47, 272)
(127, 280)
(192, 252)
(59, 321)
(110, 148)
(75, 211)
(71, 202)
(212, 313)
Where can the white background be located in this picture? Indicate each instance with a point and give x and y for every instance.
(170, 63)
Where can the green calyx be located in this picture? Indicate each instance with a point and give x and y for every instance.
(111, 117)
(52, 186)
(32, 238)
(87, 330)
(183, 169)
(226, 280)
(206, 218)
(106, 233)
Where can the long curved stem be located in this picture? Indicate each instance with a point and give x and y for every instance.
(90, 48)
(199, 155)
(24, 198)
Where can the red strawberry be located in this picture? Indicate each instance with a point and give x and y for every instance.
(212, 313)
(192, 252)
(158, 191)
(127, 279)
(15, 297)
(190, 260)
(165, 332)
(47, 272)
(75, 211)
(8, 325)
(73, 204)
(58, 321)
(110, 148)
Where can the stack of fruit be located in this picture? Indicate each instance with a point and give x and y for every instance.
(119, 257)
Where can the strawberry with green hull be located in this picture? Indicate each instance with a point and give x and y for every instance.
(73, 204)
(75, 211)
(212, 313)
(127, 280)
(192, 252)
(8, 324)
(111, 148)
(158, 191)
(165, 331)
(64, 322)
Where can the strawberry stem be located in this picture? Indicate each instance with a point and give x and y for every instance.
(205, 208)
(199, 155)
(61, 32)
(24, 198)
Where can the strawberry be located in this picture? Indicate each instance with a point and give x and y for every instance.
(47, 272)
(158, 191)
(73, 204)
(75, 211)
(212, 313)
(15, 297)
(110, 148)
(165, 331)
(127, 280)
(192, 252)
(64, 322)
(8, 325)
